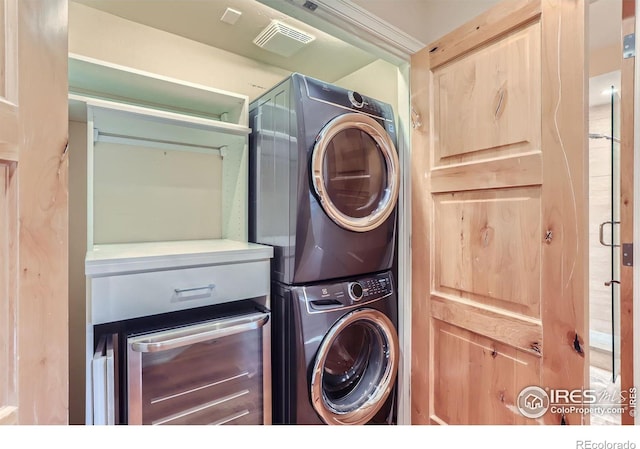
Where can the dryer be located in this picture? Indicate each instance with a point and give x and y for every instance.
(335, 351)
(324, 181)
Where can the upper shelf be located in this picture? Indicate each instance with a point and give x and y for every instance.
(114, 122)
(99, 79)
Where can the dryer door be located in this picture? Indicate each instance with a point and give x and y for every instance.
(355, 368)
(355, 172)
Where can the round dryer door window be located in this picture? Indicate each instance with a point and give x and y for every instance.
(356, 172)
(355, 368)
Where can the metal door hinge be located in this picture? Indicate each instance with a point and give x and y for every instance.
(627, 254)
(629, 46)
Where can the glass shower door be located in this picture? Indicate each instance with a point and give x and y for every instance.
(615, 237)
(613, 243)
(604, 253)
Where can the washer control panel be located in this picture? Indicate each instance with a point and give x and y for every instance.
(378, 286)
(325, 297)
(355, 291)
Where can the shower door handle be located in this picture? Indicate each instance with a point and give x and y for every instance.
(601, 233)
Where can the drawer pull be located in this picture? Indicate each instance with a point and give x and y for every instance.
(193, 289)
(176, 338)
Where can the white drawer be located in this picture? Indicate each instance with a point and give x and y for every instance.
(125, 296)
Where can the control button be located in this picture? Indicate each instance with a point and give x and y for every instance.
(355, 291)
(356, 99)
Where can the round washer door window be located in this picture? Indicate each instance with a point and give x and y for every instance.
(355, 368)
(355, 172)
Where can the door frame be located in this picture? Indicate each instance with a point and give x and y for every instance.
(339, 17)
(628, 223)
(34, 213)
(636, 211)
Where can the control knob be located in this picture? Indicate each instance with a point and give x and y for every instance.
(355, 291)
(356, 99)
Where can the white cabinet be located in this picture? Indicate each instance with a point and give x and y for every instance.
(167, 160)
(134, 280)
(167, 198)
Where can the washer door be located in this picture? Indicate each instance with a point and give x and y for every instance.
(355, 368)
(355, 172)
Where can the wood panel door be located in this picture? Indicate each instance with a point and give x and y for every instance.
(33, 212)
(499, 215)
(8, 208)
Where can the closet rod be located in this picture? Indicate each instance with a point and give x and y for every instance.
(130, 140)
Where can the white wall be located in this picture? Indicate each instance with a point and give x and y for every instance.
(600, 324)
(145, 194)
(110, 38)
(426, 20)
(378, 80)
(605, 60)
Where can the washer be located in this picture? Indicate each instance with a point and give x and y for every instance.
(336, 353)
(324, 181)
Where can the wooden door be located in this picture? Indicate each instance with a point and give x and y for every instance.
(499, 207)
(33, 212)
(627, 89)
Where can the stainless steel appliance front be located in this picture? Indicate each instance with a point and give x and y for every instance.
(324, 181)
(216, 372)
(336, 351)
(210, 372)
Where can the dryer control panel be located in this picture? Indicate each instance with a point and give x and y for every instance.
(360, 291)
(348, 99)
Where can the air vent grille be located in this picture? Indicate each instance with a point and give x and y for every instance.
(282, 39)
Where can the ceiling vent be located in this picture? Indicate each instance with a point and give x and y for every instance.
(282, 39)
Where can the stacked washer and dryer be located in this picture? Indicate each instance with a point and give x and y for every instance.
(324, 182)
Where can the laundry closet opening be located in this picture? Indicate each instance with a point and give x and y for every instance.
(209, 44)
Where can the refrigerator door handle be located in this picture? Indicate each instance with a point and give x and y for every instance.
(176, 338)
